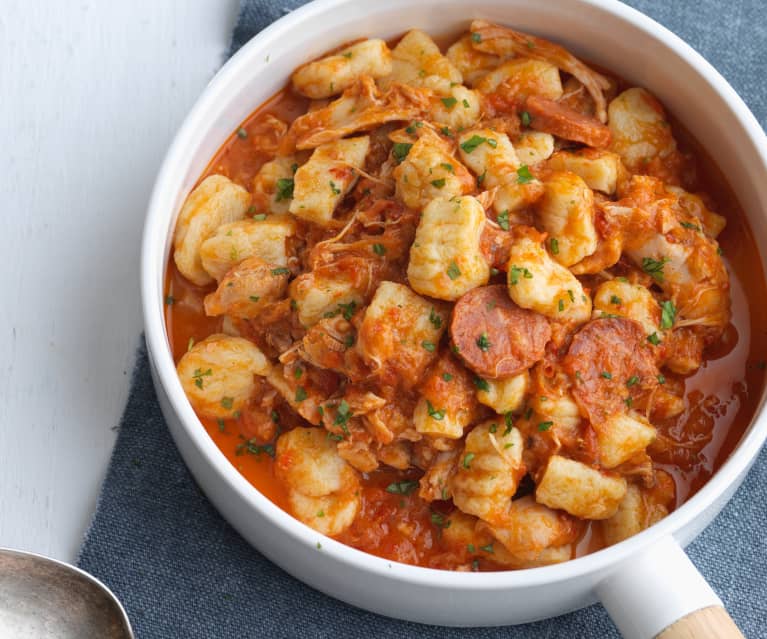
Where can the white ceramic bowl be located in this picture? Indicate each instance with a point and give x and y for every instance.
(605, 32)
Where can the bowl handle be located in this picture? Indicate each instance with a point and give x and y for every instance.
(660, 594)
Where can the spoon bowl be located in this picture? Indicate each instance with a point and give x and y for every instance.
(42, 598)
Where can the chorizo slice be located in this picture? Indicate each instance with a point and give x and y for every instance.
(493, 336)
(612, 367)
(551, 117)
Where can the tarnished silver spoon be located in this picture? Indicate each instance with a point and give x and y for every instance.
(41, 598)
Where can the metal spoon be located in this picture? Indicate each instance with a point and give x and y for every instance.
(41, 598)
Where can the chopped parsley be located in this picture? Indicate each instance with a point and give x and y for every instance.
(259, 217)
(428, 346)
(488, 549)
(472, 143)
(199, 374)
(481, 384)
(300, 394)
(284, 189)
(509, 420)
(298, 372)
(690, 225)
(280, 271)
(438, 519)
(475, 37)
(447, 377)
(654, 268)
(435, 414)
(400, 150)
(348, 54)
(242, 133)
(348, 309)
(493, 428)
(503, 219)
(544, 426)
(446, 131)
(523, 175)
(227, 402)
(379, 249)
(554, 245)
(438, 183)
(170, 300)
(628, 401)
(525, 118)
(466, 104)
(483, 343)
(402, 487)
(254, 298)
(481, 178)
(470, 548)
(614, 299)
(448, 167)
(516, 271)
(343, 413)
(653, 339)
(334, 188)
(466, 463)
(667, 314)
(631, 381)
(606, 374)
(453, 272)
(349, 341)
(561, 306)
(436, 320)
(661, 379)
(449, 102)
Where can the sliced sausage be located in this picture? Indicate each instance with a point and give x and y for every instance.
(611, 365)
(564, 122)
(493, 336)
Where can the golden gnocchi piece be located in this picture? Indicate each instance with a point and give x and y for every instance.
(247, 288)
(600, 170)
(330, 173)
(535, 535)
(317, 293)
(471, 63)
(523, 76)
(534, 146)
(323, 490)
(308, 462)
(580, 489)
(417, 61)
(332, 74)
(490, 154)
(540, 284)
(394, 328)
(488, 471)
(329, 514)
(514, 197)
(628, 300)
(273, 185)
(217, 374)
(640, 509)
(429, 171)
(505, 395)
(460, 109)
(235, 242)
(215, 201)
(447, 403)
(620, 437)
(566, 212)
(640, 131)
(558, 407)
(445, 259)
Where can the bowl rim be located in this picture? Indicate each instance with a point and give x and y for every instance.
(154, 242)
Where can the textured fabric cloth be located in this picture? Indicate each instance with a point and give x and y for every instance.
(183, 572)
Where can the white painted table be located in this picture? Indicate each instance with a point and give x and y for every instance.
(91, 92)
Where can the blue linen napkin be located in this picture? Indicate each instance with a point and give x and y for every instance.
(182, 571)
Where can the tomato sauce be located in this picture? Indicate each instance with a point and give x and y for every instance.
(721, 397)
